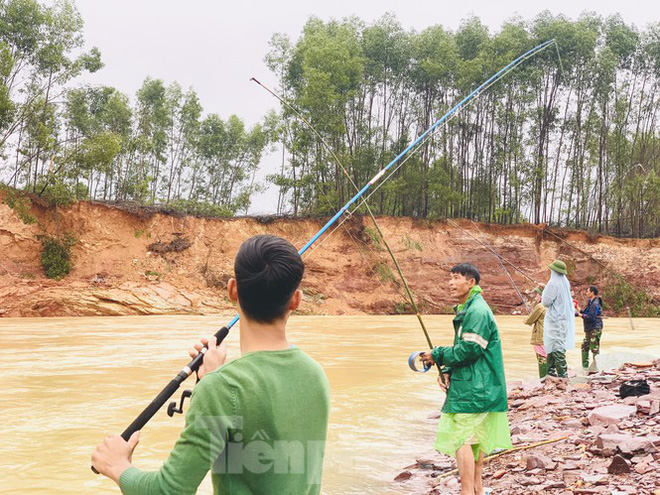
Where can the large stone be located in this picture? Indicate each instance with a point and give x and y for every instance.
(643, 406)
(636, 445)
(405, 475)
(609, 443)
(655, 407)
(611, 415)
(618, 466)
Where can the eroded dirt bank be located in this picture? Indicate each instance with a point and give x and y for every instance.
(119, 271)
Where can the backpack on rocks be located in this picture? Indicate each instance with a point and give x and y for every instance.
(634, 388)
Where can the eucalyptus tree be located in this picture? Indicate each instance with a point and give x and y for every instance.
(98, 130)
(40, 47)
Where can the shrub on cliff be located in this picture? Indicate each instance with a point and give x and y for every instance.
(622, 294)
(56, 256)
(20, 203)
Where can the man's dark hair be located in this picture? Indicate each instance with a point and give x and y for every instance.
(594, 290)
(268, 271)
(468, 270)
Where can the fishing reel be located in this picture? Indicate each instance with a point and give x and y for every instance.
(416, 364)
(172, 409)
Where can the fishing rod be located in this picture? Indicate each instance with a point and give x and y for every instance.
(196, 362)
(408, 291)
(499, 260)
(490, 248)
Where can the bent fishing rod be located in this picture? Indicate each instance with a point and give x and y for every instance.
(221, 334)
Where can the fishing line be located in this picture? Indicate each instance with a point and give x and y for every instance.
(193, 365)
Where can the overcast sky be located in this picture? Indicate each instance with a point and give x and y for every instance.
(216, 46)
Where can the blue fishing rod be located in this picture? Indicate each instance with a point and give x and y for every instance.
(221, 334)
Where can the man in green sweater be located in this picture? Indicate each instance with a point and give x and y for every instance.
(258, 423)
(473, 420)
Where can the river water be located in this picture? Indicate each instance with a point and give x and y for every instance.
(70, 381)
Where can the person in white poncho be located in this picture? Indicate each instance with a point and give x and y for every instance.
(559, 321)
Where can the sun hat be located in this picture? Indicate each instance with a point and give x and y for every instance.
(558, 266)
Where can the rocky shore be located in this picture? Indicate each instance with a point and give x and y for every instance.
(576, 439)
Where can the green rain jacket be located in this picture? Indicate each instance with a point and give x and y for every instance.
(474, 361)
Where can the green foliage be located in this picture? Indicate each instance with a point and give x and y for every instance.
(567, 138)
(59, 192)
(151, 273)
(372, 236)
(384, 272)
(401, 308)
(20, 203)
(621, 294)
(411, 244)
(56, 256)
(554, 141)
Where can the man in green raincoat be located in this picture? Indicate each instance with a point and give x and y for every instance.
(474, 420)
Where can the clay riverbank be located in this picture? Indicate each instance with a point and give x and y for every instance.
(141, 261)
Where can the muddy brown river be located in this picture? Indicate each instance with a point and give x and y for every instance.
(68, 382)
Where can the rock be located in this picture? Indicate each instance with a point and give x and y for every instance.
(532, 480)
(603, 395)
(569, 466)
(608, 443)
(655, 407)
(424, 464)
(611, 415)
(574, 423)
(636, 445)
(643, 468)
(499, 474)
(532, 386)
(452, 483)
(612, 429)
(540, 401)
(514, 385)
(643, 406)
(539, 461)
(597, 430)
(406, 475)
(618, 466)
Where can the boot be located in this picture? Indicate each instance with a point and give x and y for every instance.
(585, 358)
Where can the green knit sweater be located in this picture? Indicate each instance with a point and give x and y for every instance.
(258, 424)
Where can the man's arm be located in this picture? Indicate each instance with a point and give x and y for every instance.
(470, 347)
(201, 442)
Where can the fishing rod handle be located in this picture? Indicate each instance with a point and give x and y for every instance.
(169, 390)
